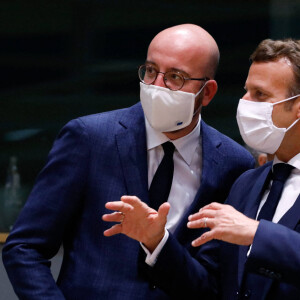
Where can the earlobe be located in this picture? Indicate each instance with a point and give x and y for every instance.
(296, 107)
(262, 159)
(209, 92)
(298, 110)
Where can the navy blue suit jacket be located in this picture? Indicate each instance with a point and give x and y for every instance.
(96, 159)
(222, 270)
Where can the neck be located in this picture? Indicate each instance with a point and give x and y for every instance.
(285, 157)
(290, 145)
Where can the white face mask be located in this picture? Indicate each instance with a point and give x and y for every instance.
(256, 125)
(167, 110)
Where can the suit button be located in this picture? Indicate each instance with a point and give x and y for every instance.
(247, 294)
(152, 287)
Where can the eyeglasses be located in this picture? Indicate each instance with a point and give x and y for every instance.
(173, 80)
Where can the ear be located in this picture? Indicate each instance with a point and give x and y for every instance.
(262, 159)
(298, 108)
(210, 90)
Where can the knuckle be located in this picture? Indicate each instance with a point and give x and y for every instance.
(219, 232)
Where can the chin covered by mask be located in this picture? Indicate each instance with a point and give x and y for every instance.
(167, 110)
(256, 125)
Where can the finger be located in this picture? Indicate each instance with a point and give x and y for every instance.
(204, 238)
(207, 213)
(116, 229)
(114, 217)
(133, 201)
(201, 223)
(163, 211)
(119, 206)
(213, 205)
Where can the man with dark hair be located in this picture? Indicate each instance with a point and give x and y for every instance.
(99, 158)
(289, 49)
(252, 250)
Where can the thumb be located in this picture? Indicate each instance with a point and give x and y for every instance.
(164, 210)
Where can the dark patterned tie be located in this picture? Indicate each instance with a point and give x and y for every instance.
(281, 172)
(162, 180)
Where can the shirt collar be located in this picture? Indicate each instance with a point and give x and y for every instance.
(185, 145)
(295, 161)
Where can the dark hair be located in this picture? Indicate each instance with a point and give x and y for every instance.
(273, 50)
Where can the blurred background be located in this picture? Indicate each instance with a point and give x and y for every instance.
(62, 59)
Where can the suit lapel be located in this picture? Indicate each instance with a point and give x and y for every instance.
(257, 191)
(251, 208)
(211, 162)
(291, 217)
(131, 145)
(290, 220)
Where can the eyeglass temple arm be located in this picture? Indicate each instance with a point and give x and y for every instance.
(204, 79)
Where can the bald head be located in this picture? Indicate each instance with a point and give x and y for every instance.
(193, 45)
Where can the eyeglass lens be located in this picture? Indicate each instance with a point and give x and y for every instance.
(172, 80)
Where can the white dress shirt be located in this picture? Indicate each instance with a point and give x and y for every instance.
(186, 179)
(187, 169)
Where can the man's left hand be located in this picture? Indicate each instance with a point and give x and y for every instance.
(226, 224)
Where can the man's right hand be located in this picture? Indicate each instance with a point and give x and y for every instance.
(137, 220)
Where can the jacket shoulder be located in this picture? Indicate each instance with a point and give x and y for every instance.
(227, 146)
(110, 121)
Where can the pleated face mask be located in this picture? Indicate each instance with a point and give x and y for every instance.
(256, 125)
(167, 110)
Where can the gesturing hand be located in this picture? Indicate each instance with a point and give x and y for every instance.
(137, 220)
(226, 224)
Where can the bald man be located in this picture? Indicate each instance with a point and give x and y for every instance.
(99, 158)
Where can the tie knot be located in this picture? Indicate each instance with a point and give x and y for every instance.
(282, 171)
(168, 148)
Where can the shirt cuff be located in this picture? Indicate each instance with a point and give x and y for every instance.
(248, 253)
(151, 258)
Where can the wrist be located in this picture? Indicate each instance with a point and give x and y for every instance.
(252, 232)
(152, 243)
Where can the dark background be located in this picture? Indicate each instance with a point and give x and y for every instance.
(62, 59)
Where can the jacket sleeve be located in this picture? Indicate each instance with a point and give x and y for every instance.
(182, 276)
(275, 253)
(46, 217)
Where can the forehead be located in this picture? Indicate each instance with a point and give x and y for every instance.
(177, 53)
(275, 75)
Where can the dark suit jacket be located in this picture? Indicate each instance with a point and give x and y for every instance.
(96, 159)
(223, 271)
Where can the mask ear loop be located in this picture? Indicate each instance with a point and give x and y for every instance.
(292, 125)
(284, 100)
(202, 89)
(200, 106)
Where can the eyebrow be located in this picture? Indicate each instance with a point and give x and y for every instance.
(256, 87)
(171, 69)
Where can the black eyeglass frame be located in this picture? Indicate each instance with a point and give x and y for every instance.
(164, 73)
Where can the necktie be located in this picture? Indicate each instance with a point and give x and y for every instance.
(162, 180)
(280, 174)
